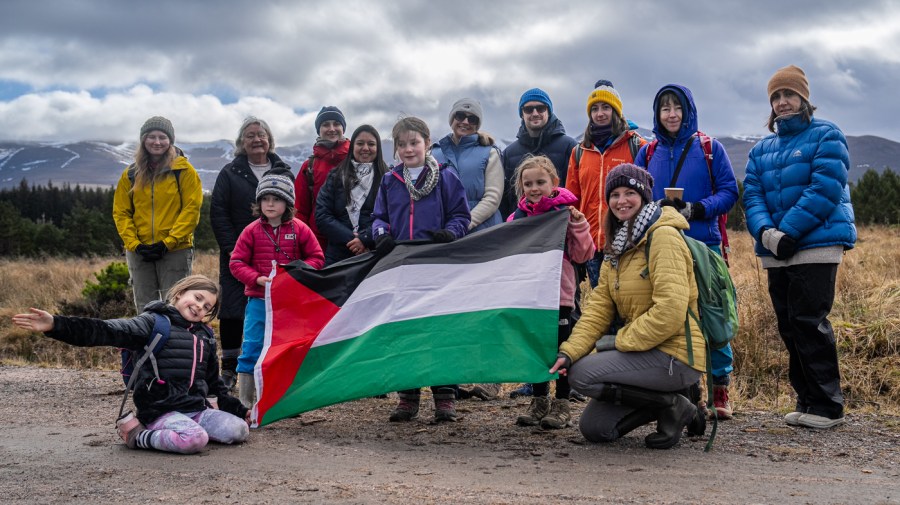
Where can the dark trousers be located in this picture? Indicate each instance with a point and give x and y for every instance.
(802, 296)
(562, 384)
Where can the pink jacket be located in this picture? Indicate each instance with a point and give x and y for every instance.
(255, 250)
(579, 243)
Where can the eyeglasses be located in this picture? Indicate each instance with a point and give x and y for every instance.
(462, 116)
(528, 109)
(257, 135)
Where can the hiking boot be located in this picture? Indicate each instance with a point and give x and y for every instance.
(793, 419)
(406, 410)
(559, 416)
(671, 422)
(697, 426)
(444, 407)
(537, 410)
(721, 403)
(486, 392)
(246, 389)
(523, 390)
(229, 378)
(819, 422)
(576, 397)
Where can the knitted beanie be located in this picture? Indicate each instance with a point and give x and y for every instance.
(278, 182)
(329, 113)
(631, 176)
(535, 95)
(605, 92)
(159, 123)
(790, 77)
(470, 105)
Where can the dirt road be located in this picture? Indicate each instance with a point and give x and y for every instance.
(58, 445)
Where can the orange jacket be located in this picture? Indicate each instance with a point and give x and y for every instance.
(587, 179)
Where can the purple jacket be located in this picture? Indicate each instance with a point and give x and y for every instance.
(405, 219)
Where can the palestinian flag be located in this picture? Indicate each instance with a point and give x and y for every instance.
(484, 308)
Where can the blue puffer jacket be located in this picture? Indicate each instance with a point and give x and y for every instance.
(694, 176)
(797, 182)
(552, 143)
(397, 213)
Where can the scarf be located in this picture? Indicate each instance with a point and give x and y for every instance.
(600, 135)
(431, 174)
(327, 144)
(623, 241)
(362, 183)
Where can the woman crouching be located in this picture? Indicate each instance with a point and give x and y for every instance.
(638, 372)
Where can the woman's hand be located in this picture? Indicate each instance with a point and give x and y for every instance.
(560, 365)
(247, 417)
(577, 215)
(262, 280)
(36, 319)
(356, 246)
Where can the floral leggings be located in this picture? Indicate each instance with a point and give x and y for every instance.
(189, 433)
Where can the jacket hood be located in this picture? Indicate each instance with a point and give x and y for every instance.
(559, 198)
(553, 128)
(338, 152)
(688, 110)
(668, 217)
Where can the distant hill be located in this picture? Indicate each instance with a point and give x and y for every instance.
(101, 163)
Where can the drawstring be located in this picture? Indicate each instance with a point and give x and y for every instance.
(671, 365)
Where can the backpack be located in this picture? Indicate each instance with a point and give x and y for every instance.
(717, 304)
(634, 145)
(177, 173)
(162, 327)
(706, 145)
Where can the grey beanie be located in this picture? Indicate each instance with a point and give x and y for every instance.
(630, 176)
(161, 124)
(470, 105)
(276, 183)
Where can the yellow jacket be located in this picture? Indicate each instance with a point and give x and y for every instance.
(653, 309)
(157, 212)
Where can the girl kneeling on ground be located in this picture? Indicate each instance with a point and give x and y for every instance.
(637, 374)
(173, 414)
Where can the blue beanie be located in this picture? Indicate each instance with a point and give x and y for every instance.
(329, 113)
(535, 95)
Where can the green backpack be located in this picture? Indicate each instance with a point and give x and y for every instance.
(717, 304)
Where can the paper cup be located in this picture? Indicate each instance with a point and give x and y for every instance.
(673, 193)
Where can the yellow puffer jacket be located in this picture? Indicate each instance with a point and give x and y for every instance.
(158, 212)
(654, 309)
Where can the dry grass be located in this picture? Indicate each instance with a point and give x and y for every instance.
(866, 319)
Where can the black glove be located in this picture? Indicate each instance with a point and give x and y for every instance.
(142, 250)
(442, 236)
(567, 364)
(606, 343)
(155, 251)
(384, 244)
(697, 213)
(786, 248)
(678, 203)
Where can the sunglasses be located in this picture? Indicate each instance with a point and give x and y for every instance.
(462, 116)
(528, 109)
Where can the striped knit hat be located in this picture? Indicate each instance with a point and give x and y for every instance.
(278, 182)
(605, 92)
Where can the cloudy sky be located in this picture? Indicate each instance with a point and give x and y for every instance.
(96, 69)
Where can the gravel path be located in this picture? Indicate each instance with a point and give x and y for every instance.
(58, 445)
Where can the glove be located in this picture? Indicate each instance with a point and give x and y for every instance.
(678, 203)
(568, 361)
(780, 243)
(142, 249)
(442, 236)
(606, 343)
(384, 244)
(695, 211)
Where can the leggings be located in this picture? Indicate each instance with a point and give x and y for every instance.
(189, 433)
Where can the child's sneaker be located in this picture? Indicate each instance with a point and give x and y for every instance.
(559, 416)
(523, 390)
(444, 408)
(486, 392)
(406, 410)
(125, 424)
(537, 410)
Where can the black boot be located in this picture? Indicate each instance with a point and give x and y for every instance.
(697, 426)
(229, 373)
(635, 420)
(673, 411)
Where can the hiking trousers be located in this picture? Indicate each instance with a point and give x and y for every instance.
(802, 296)
(152, 279)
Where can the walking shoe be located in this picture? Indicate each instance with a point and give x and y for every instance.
(721, 403)
(793, 419)
(406, 410)
(523, 390)
(444, 408)
(575, 396)
(537, 410)
(559, 416)
(486, 392)
(819, 422)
